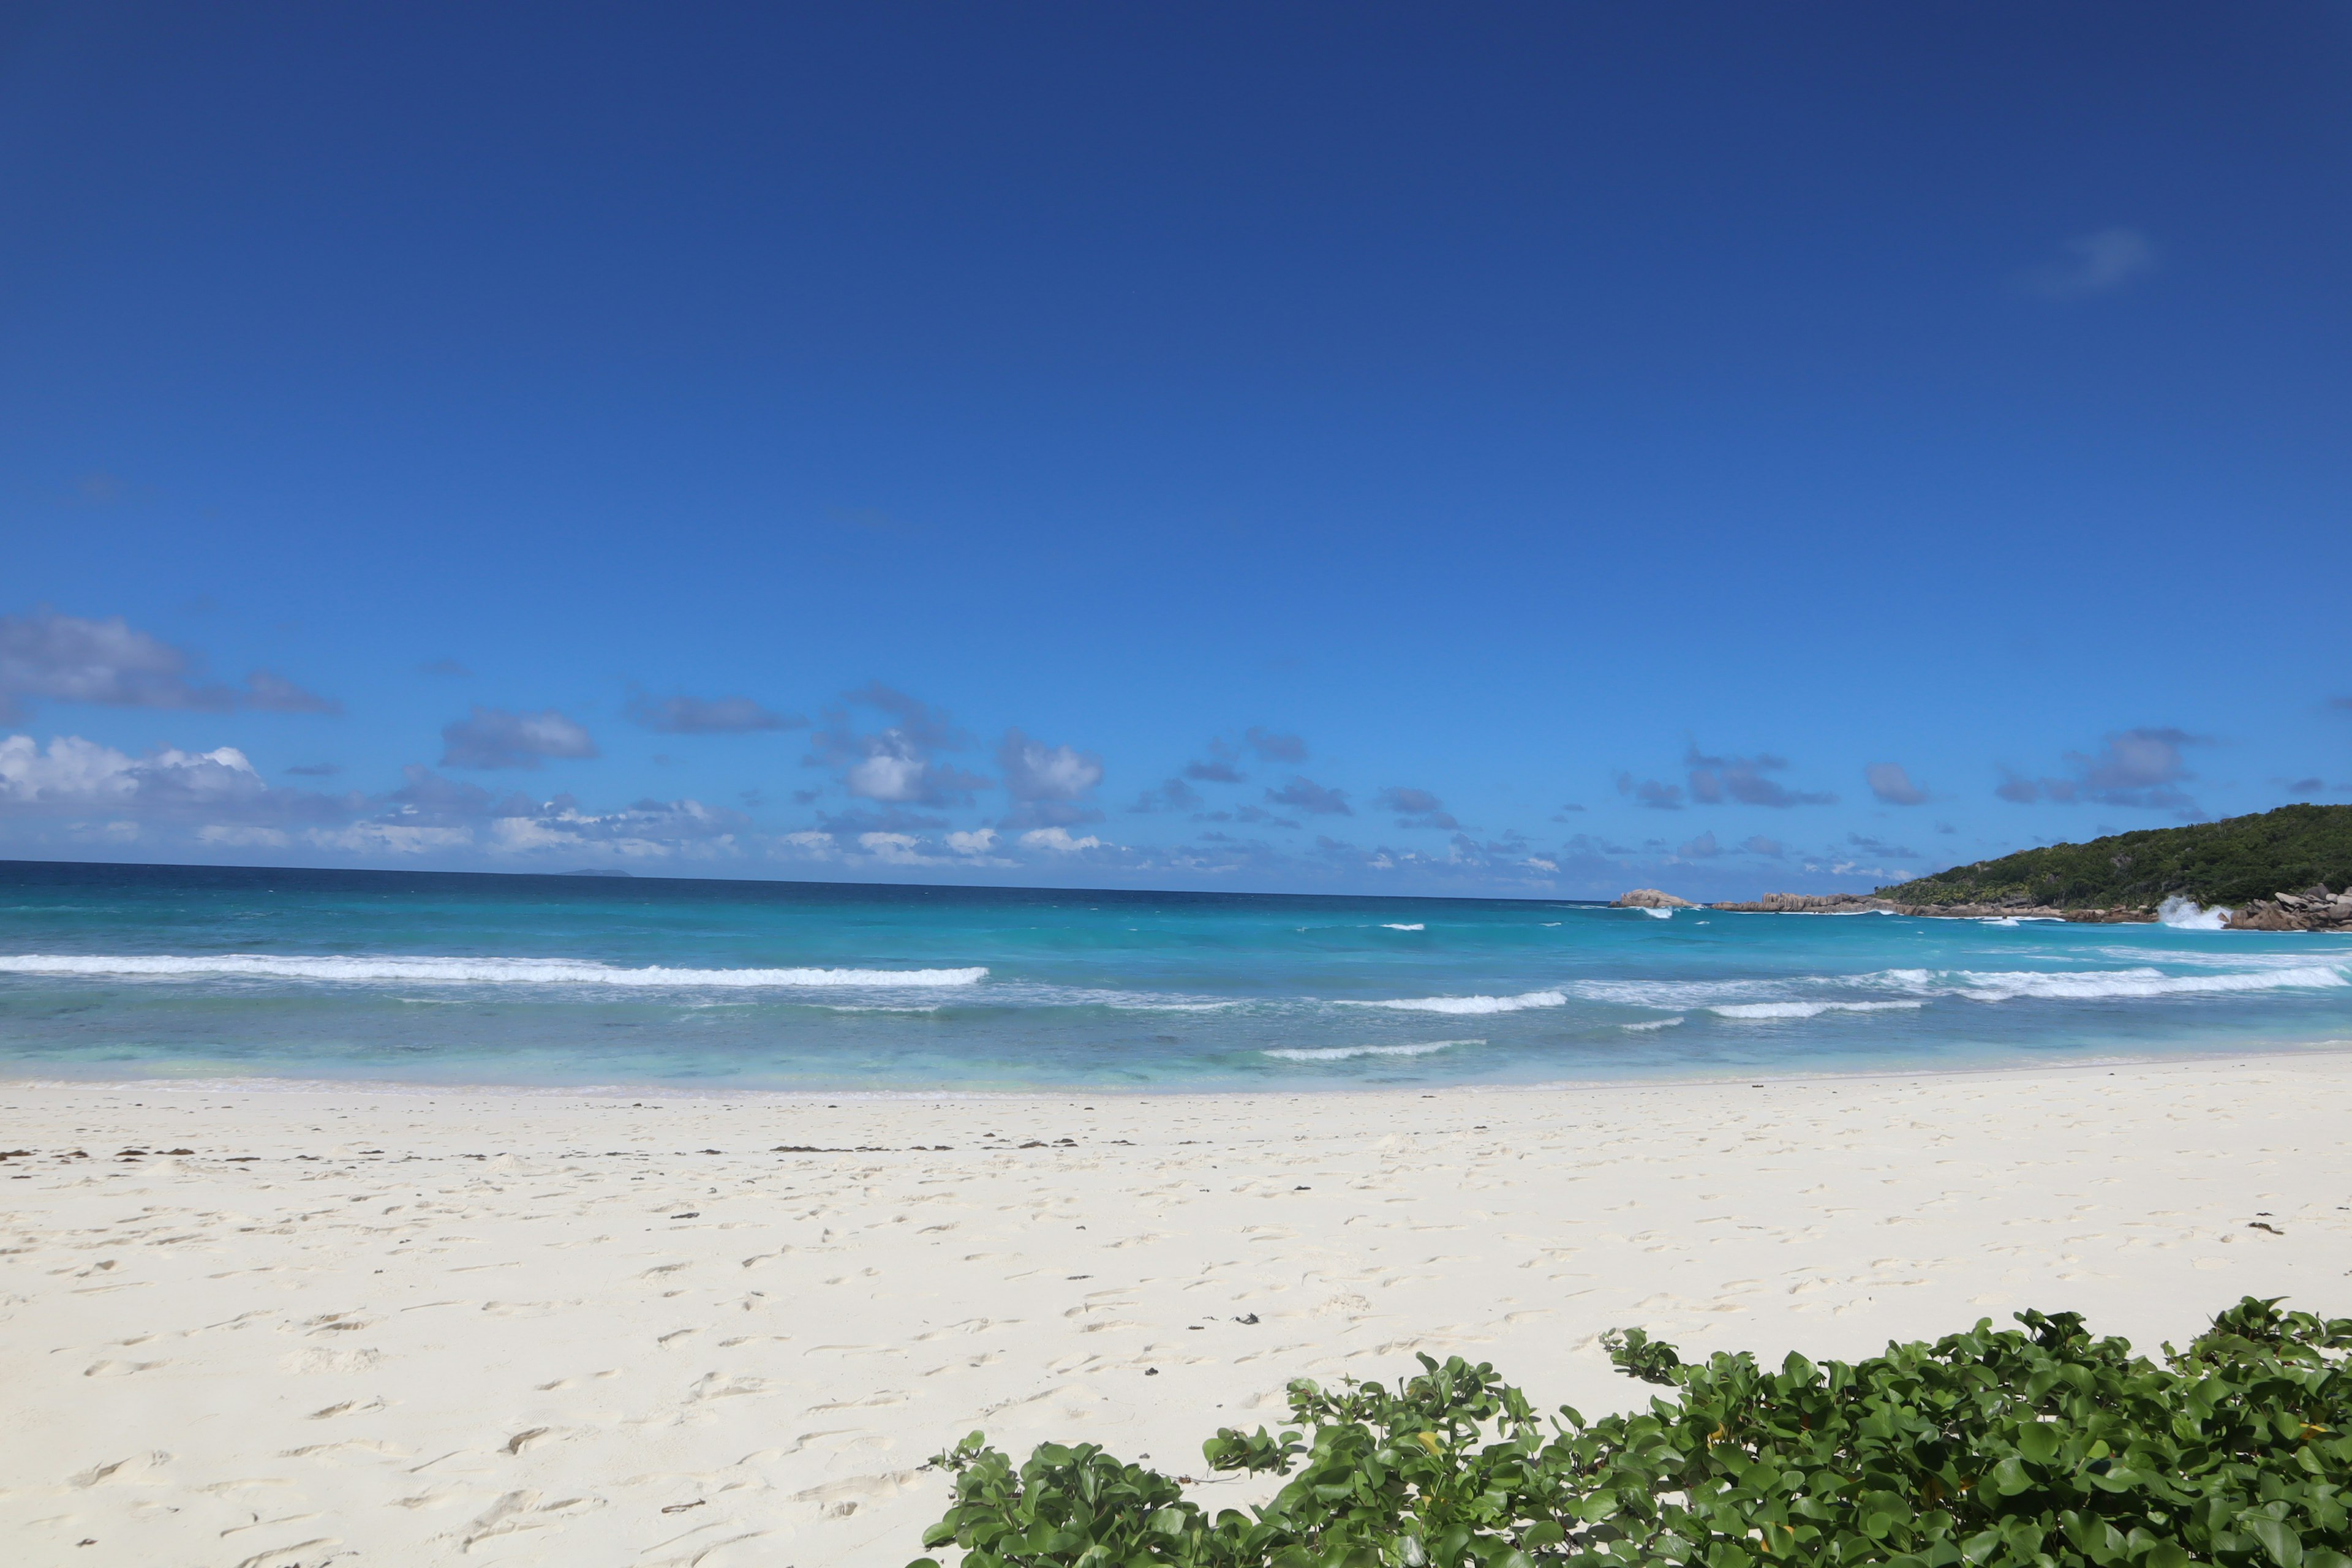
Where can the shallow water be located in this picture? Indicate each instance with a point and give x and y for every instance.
(190, 973)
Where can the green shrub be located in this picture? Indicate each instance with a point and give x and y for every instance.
(2041, 1446)
(2231, 861)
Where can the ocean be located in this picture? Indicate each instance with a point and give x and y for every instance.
(211, 974)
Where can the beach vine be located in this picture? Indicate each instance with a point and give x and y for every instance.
(2040, 1446)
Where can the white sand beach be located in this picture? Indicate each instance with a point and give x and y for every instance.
(403, 1328)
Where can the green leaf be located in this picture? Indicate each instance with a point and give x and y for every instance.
(2278, 1538)
(2038, 1444)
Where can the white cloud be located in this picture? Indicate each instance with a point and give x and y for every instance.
(649, 830)
(1058, 840)
(898, 764)
(895, 849)
(242, 838)
(390, 838)
(73, 772)
(978, 842)
(1035, 771)
(894, 774)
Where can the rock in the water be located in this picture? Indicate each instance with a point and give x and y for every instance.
(1863, 904)
(2313, 909)
(1808, 904)
(1650, 899)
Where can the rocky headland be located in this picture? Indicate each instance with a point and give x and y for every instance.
(1871, 903)
(2313, 909)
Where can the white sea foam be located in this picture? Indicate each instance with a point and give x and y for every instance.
(1475, 1004)
(461, 970)
(1391, 925)
(2182, 914)
(1659, 914)
(1653, 1023)
(1815, 993)
(1672, 995)
(2096, 984)
(1341, 1053)
(1805, 1009)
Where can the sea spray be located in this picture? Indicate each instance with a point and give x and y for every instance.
(2182, 914)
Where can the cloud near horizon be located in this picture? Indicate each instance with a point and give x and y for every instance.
(72, 774)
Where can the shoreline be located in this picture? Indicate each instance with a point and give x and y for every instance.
(552, 1327)
(2272, 1050)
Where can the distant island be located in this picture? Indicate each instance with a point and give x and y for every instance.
(2289, 870)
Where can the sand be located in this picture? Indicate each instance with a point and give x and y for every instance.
(307, 1327)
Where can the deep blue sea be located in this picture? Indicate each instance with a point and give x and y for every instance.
(144, 972)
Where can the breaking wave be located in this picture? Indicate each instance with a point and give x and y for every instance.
(1806, 996)
(1475, 1004)
(1341, 1053)
(1805, 1009)
(2094, 984)
(462, 971)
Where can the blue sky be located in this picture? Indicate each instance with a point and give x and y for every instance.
(1530, 449)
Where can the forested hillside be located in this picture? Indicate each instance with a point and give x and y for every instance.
(2232, 861)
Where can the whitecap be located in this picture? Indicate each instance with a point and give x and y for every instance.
(1391, 925)
(1755, 1010)
(460, 971)
(1341, 1053)
(1653, 1023)
(1659, 914)
(2096, 984)
(1475, 1004)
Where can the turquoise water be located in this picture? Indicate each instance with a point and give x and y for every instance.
(183, 973)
